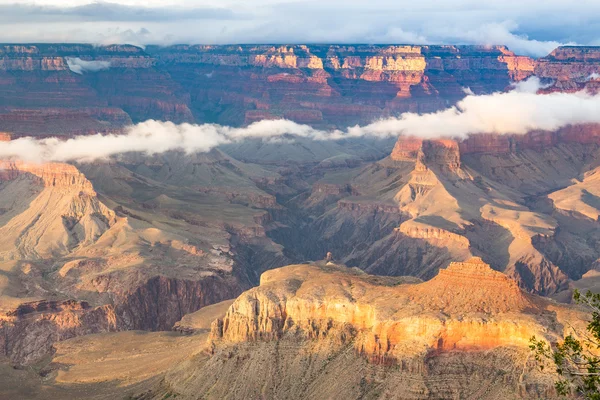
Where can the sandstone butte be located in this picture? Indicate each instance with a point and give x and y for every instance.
(466, 307)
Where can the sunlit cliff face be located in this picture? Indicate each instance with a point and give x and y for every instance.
(468, 306)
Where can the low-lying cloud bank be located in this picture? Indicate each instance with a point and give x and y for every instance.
(515, 112)
(79, 66)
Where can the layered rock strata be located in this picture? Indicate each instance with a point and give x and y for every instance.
(324, 329)
(388, 321)
(320, 85)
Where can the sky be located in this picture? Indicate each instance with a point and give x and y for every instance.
(530, 27)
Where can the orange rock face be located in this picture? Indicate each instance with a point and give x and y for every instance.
(472, 286)
(468, 306)
(442, 153)
(519, 67)
(434, 233)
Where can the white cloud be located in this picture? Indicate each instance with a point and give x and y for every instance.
(531, 85)
(79, 66)
(515, 112)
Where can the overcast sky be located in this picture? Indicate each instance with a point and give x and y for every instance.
(532, 27)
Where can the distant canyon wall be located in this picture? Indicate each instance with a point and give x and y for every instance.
(325, 86)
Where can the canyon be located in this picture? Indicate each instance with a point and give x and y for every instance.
(438, 250)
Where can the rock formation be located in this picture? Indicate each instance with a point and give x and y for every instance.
(504, 198)
(61, 102)
(571, 67)
(469, 322)
(51, 175)
(347, 308)
(340, 85)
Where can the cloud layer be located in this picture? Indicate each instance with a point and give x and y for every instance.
(526, 26)
(515, 112)
(79, 66)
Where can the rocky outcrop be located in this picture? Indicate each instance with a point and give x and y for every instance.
(441, 154)
(472, 286)
(328, 324)
(433, 233)
(346, 308)
(28, 333)
(407, 149)
(160, 302)
(31, 228)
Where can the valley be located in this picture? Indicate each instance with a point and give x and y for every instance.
(421, 263)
